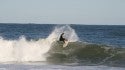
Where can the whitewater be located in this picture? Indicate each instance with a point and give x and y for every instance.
(22, 50)
(46, 52)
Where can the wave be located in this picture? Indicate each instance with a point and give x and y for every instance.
(86, 54)
(22, 50)
(50, 50)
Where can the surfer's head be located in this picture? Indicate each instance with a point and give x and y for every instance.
(62, 34)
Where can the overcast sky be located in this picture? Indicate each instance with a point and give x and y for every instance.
(63, 11)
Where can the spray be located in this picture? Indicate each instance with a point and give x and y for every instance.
(22, 50)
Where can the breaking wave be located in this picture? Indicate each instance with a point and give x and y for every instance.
(22, 50)
(51, 50)
(86, 54)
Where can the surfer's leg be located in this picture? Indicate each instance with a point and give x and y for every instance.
(63, 41)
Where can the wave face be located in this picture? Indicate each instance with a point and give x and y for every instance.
(86, 54)
(22, 50)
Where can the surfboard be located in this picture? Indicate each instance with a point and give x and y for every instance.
(65, 44)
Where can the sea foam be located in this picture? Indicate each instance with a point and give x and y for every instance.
(22, 50)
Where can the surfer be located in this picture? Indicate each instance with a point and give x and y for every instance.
(62, 38)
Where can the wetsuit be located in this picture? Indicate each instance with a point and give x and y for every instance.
(61, 38)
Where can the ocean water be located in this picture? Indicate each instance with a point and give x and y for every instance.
(36, 47)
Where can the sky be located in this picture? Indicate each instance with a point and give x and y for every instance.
(98, 12)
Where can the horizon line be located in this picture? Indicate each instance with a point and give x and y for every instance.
(58, 23)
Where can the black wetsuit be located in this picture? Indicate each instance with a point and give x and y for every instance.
(61, 38)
